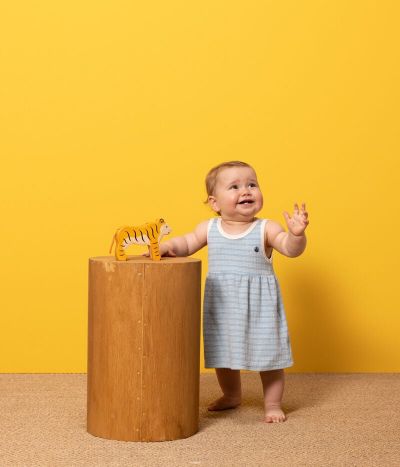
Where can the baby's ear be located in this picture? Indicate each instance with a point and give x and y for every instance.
(212, 201)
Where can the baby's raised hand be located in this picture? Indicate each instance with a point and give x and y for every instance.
(299, 221)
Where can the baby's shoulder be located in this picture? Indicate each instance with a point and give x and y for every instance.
(201, 230)
(270, 223)
(204, 224)
(272, 229)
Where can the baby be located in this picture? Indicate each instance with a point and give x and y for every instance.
(244, 322)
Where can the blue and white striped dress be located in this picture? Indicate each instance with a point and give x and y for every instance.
(244, 322)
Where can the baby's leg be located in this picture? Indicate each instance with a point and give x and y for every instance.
(273, 382)
(230, 383)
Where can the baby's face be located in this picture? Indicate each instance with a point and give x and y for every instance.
(237, 195)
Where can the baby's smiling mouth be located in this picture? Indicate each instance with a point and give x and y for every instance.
(246, 201)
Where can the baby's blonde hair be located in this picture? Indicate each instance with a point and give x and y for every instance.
(211, 178)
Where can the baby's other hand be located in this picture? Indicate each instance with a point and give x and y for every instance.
(299, 221)
(165, 250)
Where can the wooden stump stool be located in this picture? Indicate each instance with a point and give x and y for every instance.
(143, 348)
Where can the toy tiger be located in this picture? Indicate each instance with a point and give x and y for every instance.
(148, 234)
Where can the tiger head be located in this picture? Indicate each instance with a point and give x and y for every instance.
(164, 228)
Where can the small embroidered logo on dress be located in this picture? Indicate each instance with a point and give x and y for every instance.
(256, 249)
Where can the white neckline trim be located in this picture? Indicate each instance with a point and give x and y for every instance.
(243, 234)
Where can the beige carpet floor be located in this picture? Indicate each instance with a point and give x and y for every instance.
(333, 420)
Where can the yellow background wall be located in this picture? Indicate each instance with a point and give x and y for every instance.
(113, 112)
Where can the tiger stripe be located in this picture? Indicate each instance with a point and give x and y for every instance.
(148, 234)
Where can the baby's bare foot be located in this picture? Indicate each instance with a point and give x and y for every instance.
(224, 403)
(274, 414)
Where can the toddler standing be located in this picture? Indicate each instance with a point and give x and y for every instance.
(244, 322)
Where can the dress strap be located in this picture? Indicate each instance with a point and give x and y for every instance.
(210, 223)
(262, 237)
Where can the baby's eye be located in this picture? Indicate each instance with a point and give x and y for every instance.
(252, 184)
(233, 186)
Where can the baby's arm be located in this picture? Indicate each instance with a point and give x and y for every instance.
(285, 242)
(187, 244)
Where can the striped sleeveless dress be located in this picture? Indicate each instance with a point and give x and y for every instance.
(244, 322)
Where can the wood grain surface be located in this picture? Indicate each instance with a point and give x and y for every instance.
(143, 348)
